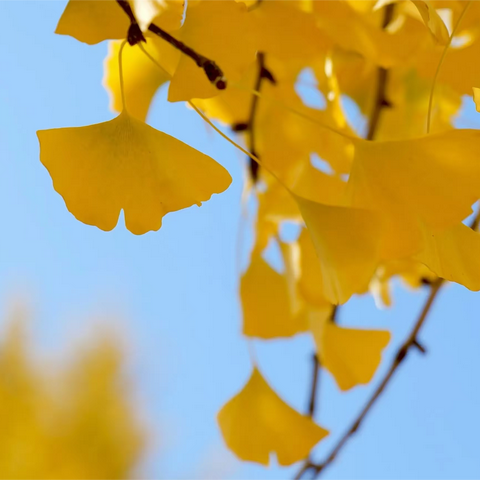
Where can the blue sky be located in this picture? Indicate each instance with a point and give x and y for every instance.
(175, 292)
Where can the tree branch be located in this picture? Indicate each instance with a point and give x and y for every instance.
(382, 80)
(212, 70)
(313, 391)
(400, 356)
(249, 126)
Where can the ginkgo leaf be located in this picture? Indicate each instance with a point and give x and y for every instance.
(257, 422)
(267, 303)
(351, 355)
(125, 164)
(221, 31)
(311, 282)
(432, 20)
(142, 78)
(454, 255)
(433, 179)
(347, 242)
(93, 21)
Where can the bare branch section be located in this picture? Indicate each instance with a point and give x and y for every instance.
(249, 126)
(381, 101)
(312, 405)
(213, 72)
(315, 382)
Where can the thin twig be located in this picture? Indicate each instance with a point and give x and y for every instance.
(249, 126)
(382, 79)
(312, 406)
(400, 356)
(212, 70)
(315, 381)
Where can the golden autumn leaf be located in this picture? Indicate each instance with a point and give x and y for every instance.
(347, 242)
(125, 164)
(269, 307)
(433, 180)
(257, 422)
(454, 255)
(351, 355)
(94, 21)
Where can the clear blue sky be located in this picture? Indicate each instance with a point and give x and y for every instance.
(176, 292)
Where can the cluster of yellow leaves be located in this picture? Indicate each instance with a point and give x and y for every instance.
(70, 422)
(389, 207)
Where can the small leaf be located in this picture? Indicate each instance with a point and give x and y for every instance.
(347, 242)
(257, 422)
(351, 355)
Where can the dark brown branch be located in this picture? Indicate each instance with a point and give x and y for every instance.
(212, 70)
(313, 392)
(400, 356)
(381, 101)
(263, 74)
(134, 34)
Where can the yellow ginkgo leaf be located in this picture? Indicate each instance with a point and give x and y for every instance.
(435, 178)
(351, 355)
(142, 78)
(310, 282)
(454, 255)
(432, 20)
(268, 303)
(221, 31)
(347, 242)
(93, 21)
(125, 164)
(257, 422)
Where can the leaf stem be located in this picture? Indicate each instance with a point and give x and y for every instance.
(120, 74)
(440, 63)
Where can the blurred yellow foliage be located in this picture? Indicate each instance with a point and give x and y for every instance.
(76, 421)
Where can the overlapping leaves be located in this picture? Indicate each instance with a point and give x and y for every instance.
(372, 210)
